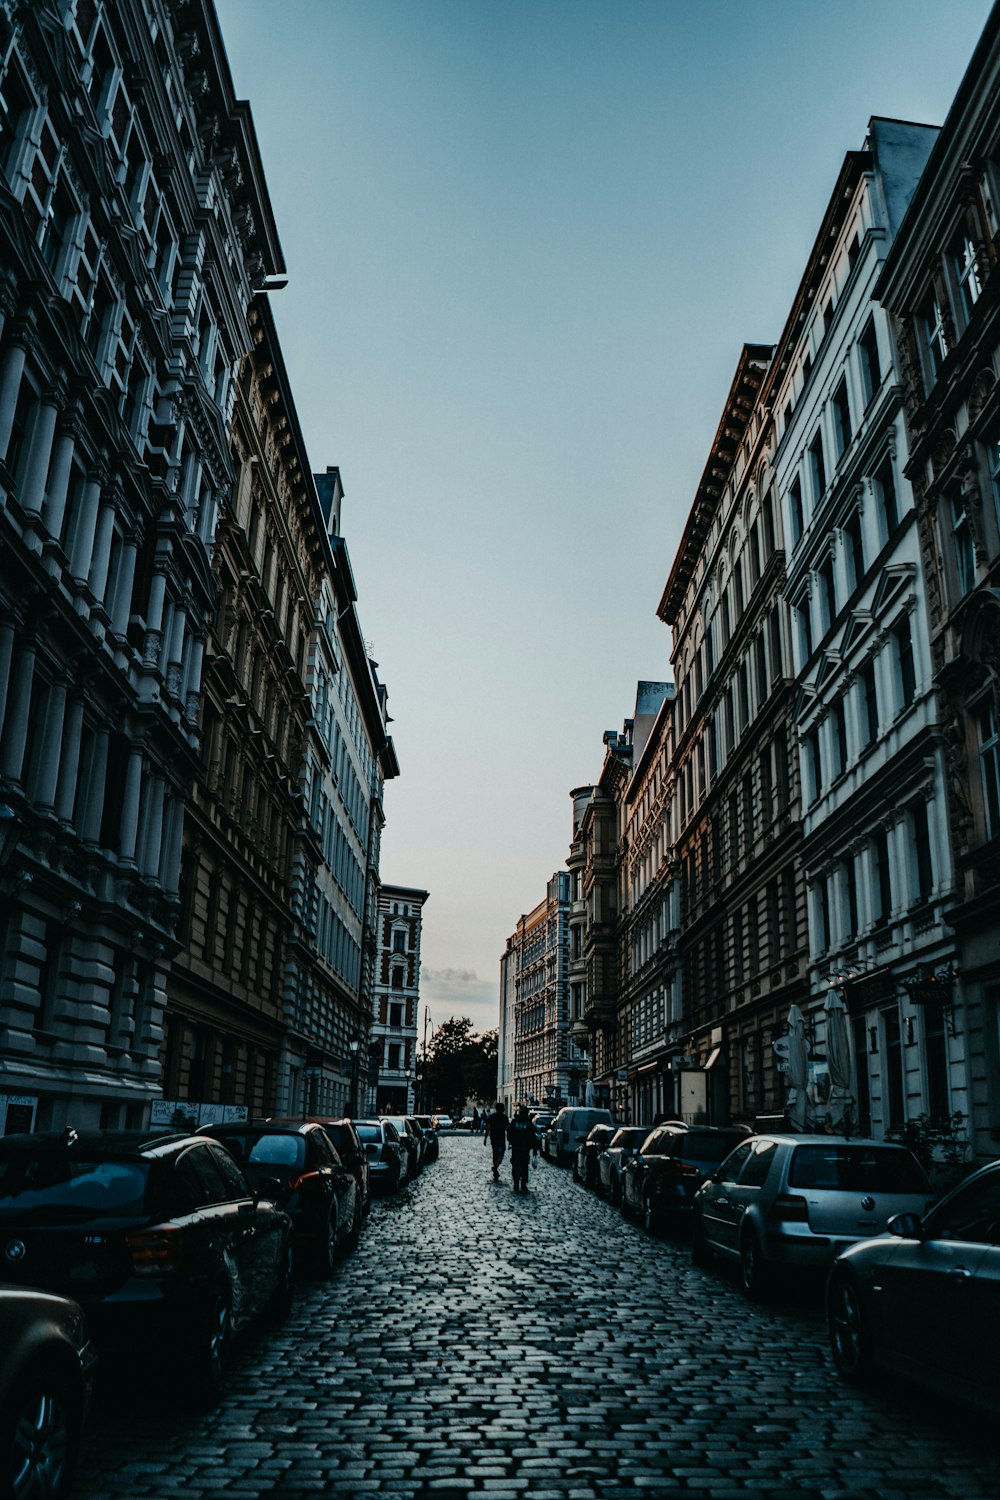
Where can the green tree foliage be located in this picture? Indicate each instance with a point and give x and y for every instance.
(461, 1067)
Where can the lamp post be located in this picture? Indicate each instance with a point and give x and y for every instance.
(355, 1049)
(407, 1075)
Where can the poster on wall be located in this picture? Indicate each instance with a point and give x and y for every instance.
(188, 1114)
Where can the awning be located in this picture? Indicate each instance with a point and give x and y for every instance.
(648, 1068)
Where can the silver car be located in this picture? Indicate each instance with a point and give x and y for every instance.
(799, 1200)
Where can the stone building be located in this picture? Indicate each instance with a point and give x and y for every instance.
(136, 227)
(939, 285)
(874, 833)
(741, 943)
(548, 1069)
(392, 1053)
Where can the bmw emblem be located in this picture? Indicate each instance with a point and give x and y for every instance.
(14, 1250)
(868, 1203)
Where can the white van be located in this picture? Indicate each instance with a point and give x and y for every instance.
(570, 1129)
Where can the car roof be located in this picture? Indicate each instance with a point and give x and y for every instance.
(121, 1143)
(788, 1139)
(262, 1127)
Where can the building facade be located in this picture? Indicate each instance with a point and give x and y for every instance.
(392, 1056)
(548, 1070)
(939, 286)
(136, 228)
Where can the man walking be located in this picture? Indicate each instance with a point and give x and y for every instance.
(523, 1138)
(496, 1136)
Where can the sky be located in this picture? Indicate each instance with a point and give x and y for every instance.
(526, 240)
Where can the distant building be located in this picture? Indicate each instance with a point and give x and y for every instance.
(392, 1058)
(939, 285)
(547, 1068)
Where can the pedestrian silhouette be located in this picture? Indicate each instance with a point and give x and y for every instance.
(523, 1139)
(496, 1136)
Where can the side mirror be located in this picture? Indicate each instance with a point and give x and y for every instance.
(906, 1226)
(271, 1188)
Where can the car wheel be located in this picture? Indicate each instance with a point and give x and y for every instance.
(701, 1255)
(281, 1301)
(39, 1437)
(850, 1337)
(326, 1248)
(207, 1366)
(753, 1269)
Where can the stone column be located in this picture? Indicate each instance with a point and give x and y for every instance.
(153, 833)
(171, 863)
(69, 764)
(6, 654)
(32, 492)
(154, 617)
(59, 473)
(51, 748)
(15, 728)
(899, 858)
(123, 586)
(193, 683)
(11, 372)
(83, 542)
(130, 805)
(175, 652)
(93, 804)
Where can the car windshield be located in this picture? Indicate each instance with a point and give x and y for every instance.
(857, 1169)
(272, 1150)
(628, 1140)
(63, 1186)
(368, 1132)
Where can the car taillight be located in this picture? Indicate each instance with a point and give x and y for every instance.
(788, 1208)
(297, 1182)
(155, 1252)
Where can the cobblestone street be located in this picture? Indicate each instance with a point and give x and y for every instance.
(481, 1343)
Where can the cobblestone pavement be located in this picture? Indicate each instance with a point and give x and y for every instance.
(485, 1344)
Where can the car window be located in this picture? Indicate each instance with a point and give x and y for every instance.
(844, 1167)
(733, 1164)
(369, 1132)
(973, 1214)
(322, 1150)
(204, 1177)
(276, 1151)
(47, 1184)
(705, 1146)
(236, 1186)
(391, 1133)
(759, 1164)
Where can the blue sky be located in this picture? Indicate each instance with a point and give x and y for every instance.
(526, 240)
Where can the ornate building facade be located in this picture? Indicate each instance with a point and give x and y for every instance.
(547, 1068)
(939, 285)
(392, 1050)
(135, 227)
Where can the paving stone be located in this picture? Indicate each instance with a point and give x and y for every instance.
(533, 1348)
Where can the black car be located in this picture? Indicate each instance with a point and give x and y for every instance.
(585, 1160)
(299, 1165)
(384, 1152)
(160, 1238)
(924, 1300)
(46, 1369)
(659, 1184)
(432, 1146)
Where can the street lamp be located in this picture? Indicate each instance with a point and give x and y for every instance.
(355, 1048)
(408, 1075)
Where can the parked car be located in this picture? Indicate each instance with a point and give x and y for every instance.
(924, 1300)
(410, 1142)
(661, 1179)
(570, 1129)
(46, 1371)
(347, 1144)
(386, 1162)
(445, 1122)
(432, 1147)
(621, 1148)
(299, 1165)
(160, 1238)
(799, 1200)
(585, 1160)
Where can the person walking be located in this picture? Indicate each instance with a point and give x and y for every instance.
(496, 1136)
(523, 1140)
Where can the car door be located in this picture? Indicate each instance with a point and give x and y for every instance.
(343, 1185)
(745, 1193)
(940, 1297)
(720, 1212)
(224, 1225)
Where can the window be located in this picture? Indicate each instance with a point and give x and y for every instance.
(961, 536)
(854, 550)
(393, 1051)
(923, 874)
(853, 251)
(839, 735)
(931, 334)
(868, 705)
(822, 915)
(849, 904)
(989, 766)
(993, 459)
(760, 662)
(16, 108)
(884, 483)
(841, 417)
(871, 369)
(882, 884)
(396, 982)
(804, 620)
(396, 1015)
(796, 521)
(967, 273)
(892, 1103)
(906, 675)
(767, 513)
(827, 594)
(817, 466)
(812, 766)
(399, 942)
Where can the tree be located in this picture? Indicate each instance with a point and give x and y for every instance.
(460, 1066)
